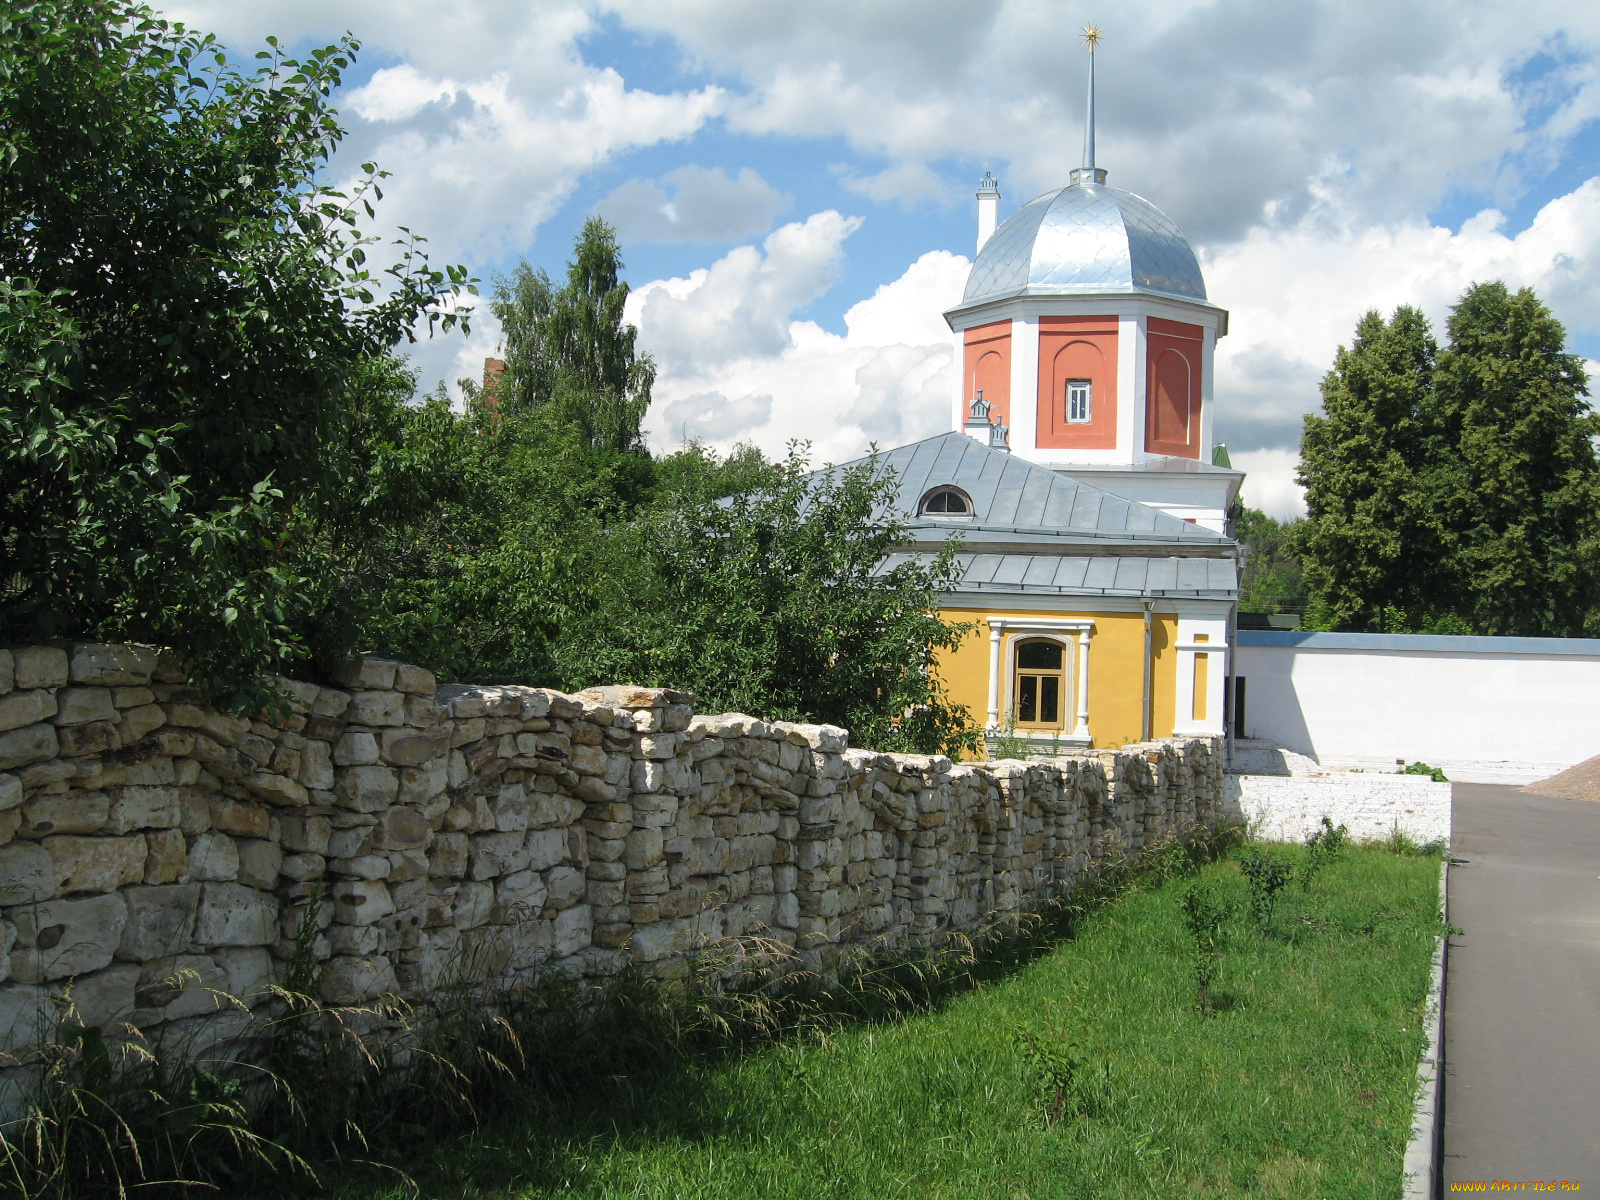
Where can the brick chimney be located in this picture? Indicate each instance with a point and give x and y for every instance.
(493, 370)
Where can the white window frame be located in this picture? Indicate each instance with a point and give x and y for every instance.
(1080, 389)
(1002, 659)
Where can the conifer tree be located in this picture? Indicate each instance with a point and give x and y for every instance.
(1519, 494)
(1371, 544)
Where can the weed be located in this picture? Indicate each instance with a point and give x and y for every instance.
(1267, 874)
(1398, 841)
(1057, 1060)
(1322, 848)
(1422, 768)
(1205, 912)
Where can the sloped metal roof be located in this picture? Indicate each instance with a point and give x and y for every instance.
(1085, 238)
(1016, 500)
(1097, 575)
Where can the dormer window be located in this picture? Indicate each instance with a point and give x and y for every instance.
(947, 502)
(1080, 401)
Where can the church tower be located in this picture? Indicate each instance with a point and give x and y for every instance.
(1086, 343)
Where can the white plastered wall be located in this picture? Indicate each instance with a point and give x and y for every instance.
(1494, 715)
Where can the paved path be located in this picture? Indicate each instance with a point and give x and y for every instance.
(1522, 1000)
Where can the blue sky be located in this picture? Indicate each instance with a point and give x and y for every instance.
(793, 184)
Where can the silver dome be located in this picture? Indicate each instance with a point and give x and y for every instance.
(1085, 238)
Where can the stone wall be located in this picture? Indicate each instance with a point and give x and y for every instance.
(155, 853)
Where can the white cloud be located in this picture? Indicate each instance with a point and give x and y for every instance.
(1270, 484)
(740, 306)
(705, 206)
(887, 379)
(1231, 111)
(1296, 295)
(485, 165)
(711, 416)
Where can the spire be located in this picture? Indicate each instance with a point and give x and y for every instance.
(1089, 173)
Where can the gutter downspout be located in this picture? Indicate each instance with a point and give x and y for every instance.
(1230, 695)
(1149, 673)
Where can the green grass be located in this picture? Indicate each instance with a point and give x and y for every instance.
(1298, 1085)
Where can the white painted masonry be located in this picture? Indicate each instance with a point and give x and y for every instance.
(1291, 808)
(1488, 709)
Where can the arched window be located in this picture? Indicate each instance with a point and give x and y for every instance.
(1040, 684)
(947, 502)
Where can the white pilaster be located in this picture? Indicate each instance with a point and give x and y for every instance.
(1024, 406)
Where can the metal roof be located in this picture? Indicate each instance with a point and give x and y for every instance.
(1085, 238)
(1019, 501)
(1099, 575)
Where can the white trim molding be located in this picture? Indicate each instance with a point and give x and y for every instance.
(1190, 650)
(1000, 673)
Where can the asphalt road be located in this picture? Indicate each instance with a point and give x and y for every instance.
(1522, 997)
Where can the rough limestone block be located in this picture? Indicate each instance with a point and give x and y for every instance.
(366, 789)
(305, 833)
(27, 873)
(303, 867)
(101, 1000)
(160, 921)
(376, 708)
(644, 848)
(138, 722)
(414, 681)
(400, 828)
(349, 979)
(424, 786)
(364, 866)
(405, 748)
(277, 789)
(80, 705)
(95, 864)
(497, 854)
(214, 858)
(259, 863)
(30, 744)
(113, 666)
(96, 737)
(241, 820)
(141, 807)
(26, 708)
(8, 672)
(447, 858)
(71, 812)
(247, 971)
(564, 886)
(356, 747)
(361, 901)
(39, 666)
(316, 766)
(66, 937)
(180, 986)
(132, 697)
(10, 792)
(473, 902)
(168, 857)
(330, 702)
(27, 1017)
(574, 929)
(234, 915)
(546, 848)
(354, 939)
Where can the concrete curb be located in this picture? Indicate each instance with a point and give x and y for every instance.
(1422, 1180)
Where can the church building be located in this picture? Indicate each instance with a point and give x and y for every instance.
(1096, 566)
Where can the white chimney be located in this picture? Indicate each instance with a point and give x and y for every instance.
(988, 208)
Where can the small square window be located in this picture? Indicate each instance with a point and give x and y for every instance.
(1079, 401)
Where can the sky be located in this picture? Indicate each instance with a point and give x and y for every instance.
(793, 183)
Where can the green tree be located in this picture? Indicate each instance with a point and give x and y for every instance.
(1372, 539)
(570, 349)
(1519, 493)
(184, 310)
(1273, 577)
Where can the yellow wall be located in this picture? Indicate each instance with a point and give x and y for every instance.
(1116, 669)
